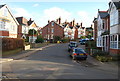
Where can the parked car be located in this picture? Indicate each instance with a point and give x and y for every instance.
(78, 53)
(72, 45)
(83, 41)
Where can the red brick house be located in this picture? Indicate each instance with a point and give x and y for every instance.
(105, 34)
(22, 27)
(52, 29)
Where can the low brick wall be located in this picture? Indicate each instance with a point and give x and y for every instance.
(114, 51)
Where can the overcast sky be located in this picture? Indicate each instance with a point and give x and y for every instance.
(41, 12)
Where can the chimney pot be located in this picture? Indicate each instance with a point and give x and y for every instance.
(48, 21)
(59, 20)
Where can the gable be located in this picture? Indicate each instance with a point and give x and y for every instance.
(6, 14)
(33, 25)
(112, 6)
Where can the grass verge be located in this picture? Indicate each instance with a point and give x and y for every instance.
(10, 52)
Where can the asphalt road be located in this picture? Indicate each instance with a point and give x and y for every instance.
(54, 63)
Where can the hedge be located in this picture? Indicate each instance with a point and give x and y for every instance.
(11, 43)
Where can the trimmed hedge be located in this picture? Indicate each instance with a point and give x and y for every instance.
(11, 43)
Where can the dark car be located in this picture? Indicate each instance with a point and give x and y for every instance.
(83, 41)
(72, 45)
(78, 53)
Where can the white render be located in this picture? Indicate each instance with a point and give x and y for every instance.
(100, 30)
(11, 24)
(114, 26)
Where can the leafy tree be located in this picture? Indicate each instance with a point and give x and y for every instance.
(31, 32)
(83, 37)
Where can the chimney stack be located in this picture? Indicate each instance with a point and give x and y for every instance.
(91, 25)
(98, 10)
(66, 21)
(30, 19)
(77, 24)
(81, 24)
(56, 20)
(73, 23)
(59, 20)
(48, 21)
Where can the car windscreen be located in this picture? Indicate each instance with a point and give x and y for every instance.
(83, 40)
(79, 51)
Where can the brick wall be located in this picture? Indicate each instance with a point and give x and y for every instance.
(4, 33)
(19, 31)
(114, 51)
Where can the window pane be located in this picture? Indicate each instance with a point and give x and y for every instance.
(115, 37)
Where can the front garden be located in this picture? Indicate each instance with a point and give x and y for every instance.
(98, 54)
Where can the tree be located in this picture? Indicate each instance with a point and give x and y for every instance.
(39, 39)
(56, 38)
(32, 32)
(83, 37)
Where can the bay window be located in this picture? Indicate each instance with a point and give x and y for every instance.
(113, 17)
(115, 41)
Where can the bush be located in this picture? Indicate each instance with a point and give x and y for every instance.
(101, 55)
(12, 43)
(39, 39)
(97, 52)
(65, 40)
(27, 39)
(102, 58)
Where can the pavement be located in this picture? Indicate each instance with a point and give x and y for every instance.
(23, 54)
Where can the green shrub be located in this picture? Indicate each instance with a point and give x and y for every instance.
(102, 58)
(27, 39)
(39, 39)
(65, 40)
(97, 52)
(32, 32)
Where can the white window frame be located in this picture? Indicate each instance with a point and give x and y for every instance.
(114, 44)
(52, 23)
(2, 25)
(52, 30)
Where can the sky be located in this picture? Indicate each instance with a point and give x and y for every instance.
(41, 12)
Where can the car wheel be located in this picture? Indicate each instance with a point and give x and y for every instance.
(85, 58)
(68, 50)
(73, 58)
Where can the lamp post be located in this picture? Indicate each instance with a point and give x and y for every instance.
(33, 36)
